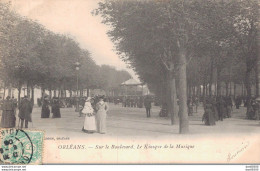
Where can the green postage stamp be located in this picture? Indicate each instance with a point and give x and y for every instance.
(19, 146)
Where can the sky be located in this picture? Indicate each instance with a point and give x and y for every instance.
(74, 18)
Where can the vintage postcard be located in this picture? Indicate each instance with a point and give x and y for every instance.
(129, 82)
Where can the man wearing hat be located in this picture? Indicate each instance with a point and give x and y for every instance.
(148, 106)
(25, 111)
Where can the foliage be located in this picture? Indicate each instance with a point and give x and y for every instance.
(34, 56)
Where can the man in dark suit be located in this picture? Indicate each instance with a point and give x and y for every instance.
(25, 111)
(148, 106)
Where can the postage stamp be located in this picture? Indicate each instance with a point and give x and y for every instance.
(19, 146)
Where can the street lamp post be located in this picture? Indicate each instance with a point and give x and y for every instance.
(77, 65)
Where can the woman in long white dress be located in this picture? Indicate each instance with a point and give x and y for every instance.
(90, 120)
(101, 115)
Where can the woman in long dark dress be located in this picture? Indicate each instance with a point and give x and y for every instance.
(55, 108)
(190, 107)
(208, 117)
(250, 109)
(45, 108)
(8, 116)
(220, 104)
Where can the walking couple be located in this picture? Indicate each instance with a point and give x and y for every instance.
(8, 119)
(96, 112)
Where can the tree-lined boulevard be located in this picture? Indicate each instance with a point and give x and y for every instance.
(189, 53)
(178, 46)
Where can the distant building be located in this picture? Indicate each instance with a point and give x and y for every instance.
(132, 87)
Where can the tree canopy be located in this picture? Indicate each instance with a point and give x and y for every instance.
(34, 56)
(187, 43)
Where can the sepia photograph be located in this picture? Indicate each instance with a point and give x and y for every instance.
(129, 82)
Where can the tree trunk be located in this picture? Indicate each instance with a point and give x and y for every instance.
(230, 89)
(166, 95)
(10, 90)
(207, 90)
(32, 94)
(19, 94)
(81, 92)
(189, 90)
(211, 77)
(165, 98)
(43, 92)
(199, 88)
(28, 90)
(50, 93)
(226, 88)
(70, 93)
(59, 93)
(197, 91)
(88, 92)
(204, 91)
(258, 73)
(248, 83)
(235, 87)
(215, 84)
(242, 89)
(184, 120)
(4, 92)
(173, 99)
(256, 80)
(218, 82)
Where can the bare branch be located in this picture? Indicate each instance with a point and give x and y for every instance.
(164, 63)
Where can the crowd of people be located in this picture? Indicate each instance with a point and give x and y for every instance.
(54, 103)
(216, 108)
(64, 102)
(252, 104)
(132, 101)
(253, 109)
(220, 107)
(95, 111)
(127, 101)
